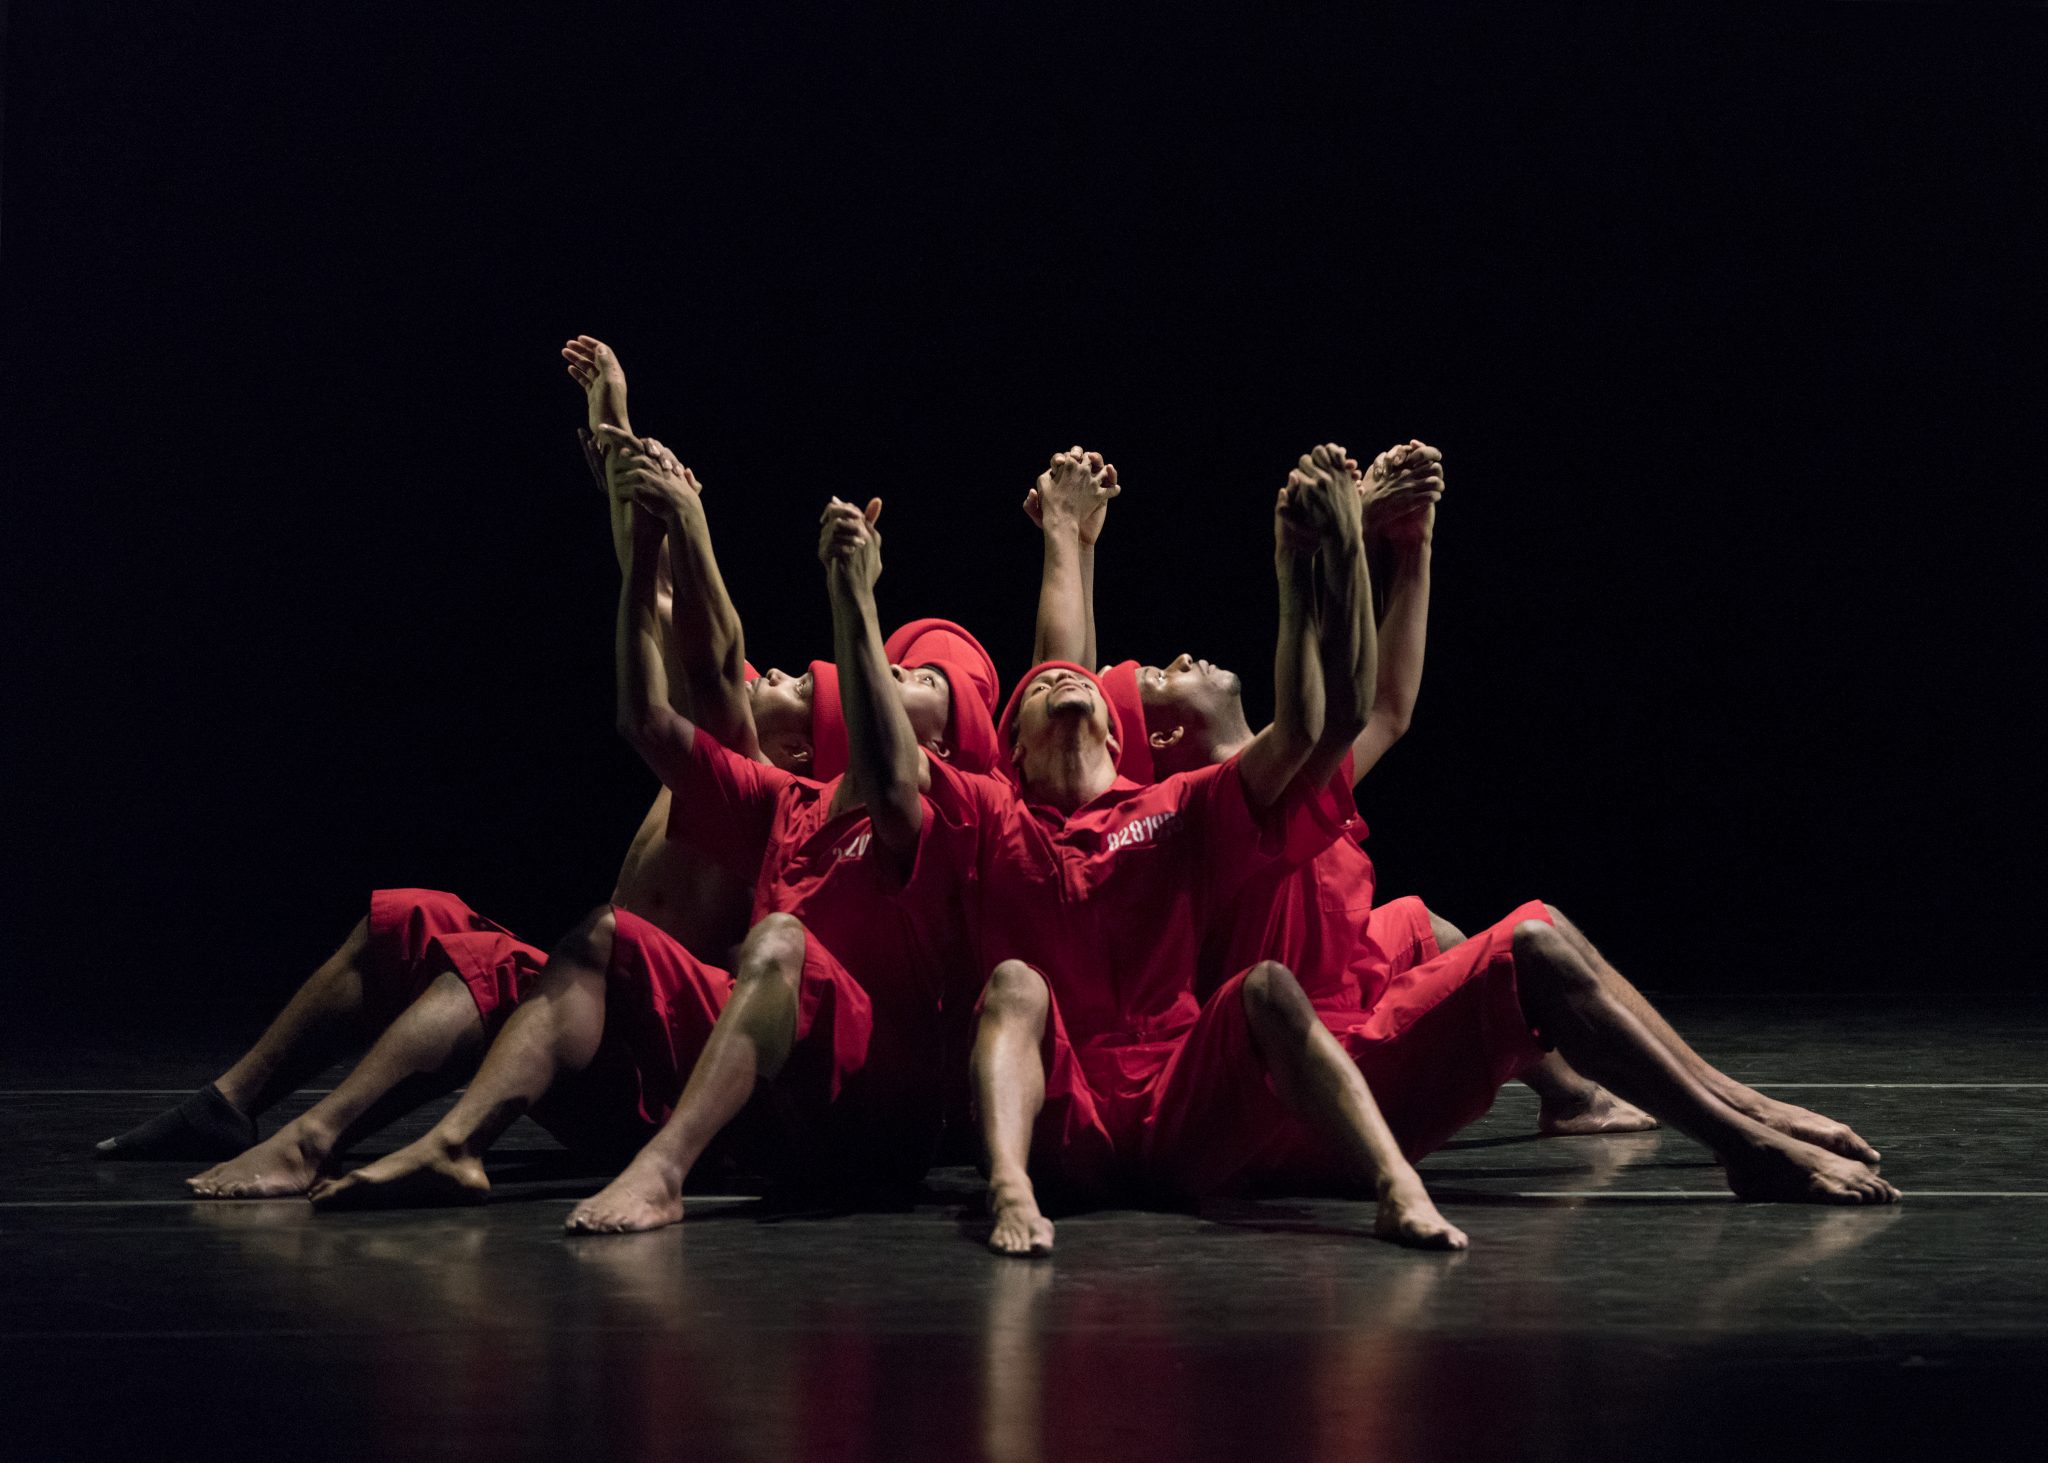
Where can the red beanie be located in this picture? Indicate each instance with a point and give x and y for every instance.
(829, 751)
(1120, 686)
(971, 676)
(1006, 727)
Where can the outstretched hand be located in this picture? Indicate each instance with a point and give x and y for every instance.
(595, 367)
(643, 472)
(1399, 492)
(1073, 492)
(849, 544)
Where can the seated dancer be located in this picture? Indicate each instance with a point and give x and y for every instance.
(854, 1061)
(1094, 1066)
(428, 980)
(1440, 1030)
(1332, 900)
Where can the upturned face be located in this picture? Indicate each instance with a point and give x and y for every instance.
(782, 717)
(1190, 701)
(1059, 702)
(927, 701)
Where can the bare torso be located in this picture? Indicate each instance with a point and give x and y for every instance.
(681, 891)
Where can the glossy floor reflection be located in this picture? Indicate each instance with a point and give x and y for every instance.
(1616, 1303)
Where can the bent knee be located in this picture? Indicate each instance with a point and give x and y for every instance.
(774, 946)
(1272, 994)
(1536, 936)
(1444, 932)
(1540, 947)
(590, 943)
(1015, 989)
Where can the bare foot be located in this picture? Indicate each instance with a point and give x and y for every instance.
(1592, 1109)
(1807, 1127)
(1020, 1229)
(595, 367)
(648, 1195)
(1776, 1167)
(1408, 1217)
(283, 1165)
(422, 1173)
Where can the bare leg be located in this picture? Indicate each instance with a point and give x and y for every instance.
(1796, 1122)
(323, 1018)
(1567, 1104)
(1575, 1004)
(1315, 1078)
(1009, 1087)
(747, 1048)
(433, 1046)
(554, 1032)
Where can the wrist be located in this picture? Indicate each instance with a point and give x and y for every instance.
(1342, 545)
(1291, 560)
(849, 591)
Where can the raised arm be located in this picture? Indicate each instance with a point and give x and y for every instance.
(884, 765)
(1277, 753)
(1398, 498)
(1347, 639)
(1069, 504)
(659, 733)
(596, 368)
(705, 648)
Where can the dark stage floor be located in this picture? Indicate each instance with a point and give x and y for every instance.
(1616, 1302)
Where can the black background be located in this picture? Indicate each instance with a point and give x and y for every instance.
(1726, 328)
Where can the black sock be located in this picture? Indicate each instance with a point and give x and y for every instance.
(204, 1125)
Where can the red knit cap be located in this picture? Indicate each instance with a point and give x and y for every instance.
(971, 677)
(1120, 685)
(829, 751)
(1006, 726)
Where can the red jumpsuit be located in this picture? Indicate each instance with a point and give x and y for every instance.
(1143, 1084)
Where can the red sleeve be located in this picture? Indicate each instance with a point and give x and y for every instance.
(724, 804)
(1354, 827)
(1238, 842)
(967, 798)
(960, 809)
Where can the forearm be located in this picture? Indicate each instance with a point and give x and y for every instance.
(622, 531)
(706, 645)
(1347, 638)
(1088, 651)
(1299, 694)
(884, 764)
(1403, 631)
(1064, 627)
(640, 683)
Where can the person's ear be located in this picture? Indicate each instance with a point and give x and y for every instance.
(1161, 740)
(938, 748)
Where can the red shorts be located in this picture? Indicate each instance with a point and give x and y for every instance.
(1398, 937)
(861, 1100)
(660, 1003)
(1166, 1114)
(1444, 1037)
(849, 1101)
(416, 934)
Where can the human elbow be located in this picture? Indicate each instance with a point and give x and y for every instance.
(1344, 724)
(639, 725)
